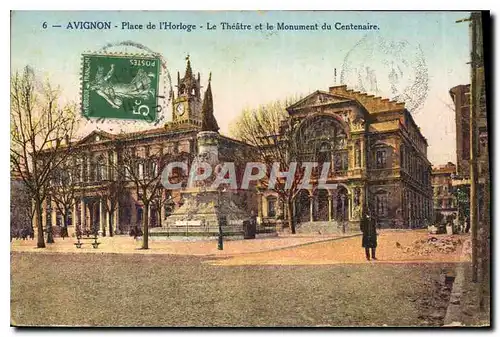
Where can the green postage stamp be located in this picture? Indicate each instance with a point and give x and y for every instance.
(120, 87)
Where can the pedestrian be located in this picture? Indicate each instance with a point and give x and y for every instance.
(369, 241)
(456, 224)
(467, 224)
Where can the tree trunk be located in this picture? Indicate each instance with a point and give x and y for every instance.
(64, 230)
(145, 229)
(50, 236)
(39, 224)
(110, 222)
(291, 219)
(66, 218)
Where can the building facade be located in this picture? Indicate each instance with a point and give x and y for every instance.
(445, 201)
(378, 162)
(460, 95)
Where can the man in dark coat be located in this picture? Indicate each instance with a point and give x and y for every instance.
(368, 228)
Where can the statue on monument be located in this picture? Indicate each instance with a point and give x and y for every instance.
(208, 122)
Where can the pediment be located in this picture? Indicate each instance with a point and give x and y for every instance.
(317, 98)
(96, 136)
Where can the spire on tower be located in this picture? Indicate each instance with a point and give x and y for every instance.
(208, 122)
(189, 71)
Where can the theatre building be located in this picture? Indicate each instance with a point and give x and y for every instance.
(378, 162)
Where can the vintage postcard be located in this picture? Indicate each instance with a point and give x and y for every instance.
(249, 169)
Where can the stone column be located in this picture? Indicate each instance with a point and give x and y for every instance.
(89, 216)
(330, 202)
(82, 214)
(259, 205)
(53, 214)
(311, 208)
(102, 216)
(279, 207)
(342, 205)
(74, 215)
(350, 202)
(334, 205)
(363, 154)
(116, 219)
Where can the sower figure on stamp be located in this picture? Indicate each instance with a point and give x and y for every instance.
(368, 228)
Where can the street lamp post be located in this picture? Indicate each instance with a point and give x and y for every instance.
(220, 242)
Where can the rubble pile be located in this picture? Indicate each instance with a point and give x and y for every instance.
(433, 244)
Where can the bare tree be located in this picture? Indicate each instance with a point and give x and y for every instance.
(64, 185)
(143, 169)
(275, 137)
(38, 126)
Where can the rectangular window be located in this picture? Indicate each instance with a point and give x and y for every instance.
(271, 207)
(381, 204)
(98, 169)
(141, 171)
(380, 159)
(155, 169)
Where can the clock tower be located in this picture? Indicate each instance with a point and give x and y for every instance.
(187, 104)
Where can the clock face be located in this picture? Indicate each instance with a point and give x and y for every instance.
(180, 109)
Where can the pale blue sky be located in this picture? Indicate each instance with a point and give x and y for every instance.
(251, 68)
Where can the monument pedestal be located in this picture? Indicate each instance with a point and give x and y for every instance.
(199, 216)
